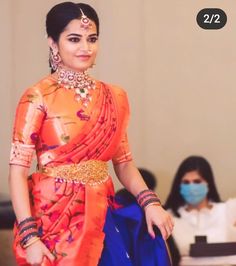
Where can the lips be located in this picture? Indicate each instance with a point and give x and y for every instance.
(84, 57)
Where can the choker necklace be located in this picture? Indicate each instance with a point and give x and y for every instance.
(80, 82)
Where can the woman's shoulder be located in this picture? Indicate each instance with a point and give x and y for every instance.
(229, 203)
(228, 208)
(119, 96)
(115, 88)
(40, 87)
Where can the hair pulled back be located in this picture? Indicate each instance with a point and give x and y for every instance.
(62, 14)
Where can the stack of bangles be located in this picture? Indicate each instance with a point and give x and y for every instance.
(28, 232)
(147, 198)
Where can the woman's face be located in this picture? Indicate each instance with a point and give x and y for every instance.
(78, 46)
(194, 189)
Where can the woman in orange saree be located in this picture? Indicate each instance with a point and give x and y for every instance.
(75, 124)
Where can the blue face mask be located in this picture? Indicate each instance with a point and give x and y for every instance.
(193, 193)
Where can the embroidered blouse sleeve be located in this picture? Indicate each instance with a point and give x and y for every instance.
(29, 115)
(123, 153)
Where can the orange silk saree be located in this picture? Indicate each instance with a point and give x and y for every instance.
(70, 215)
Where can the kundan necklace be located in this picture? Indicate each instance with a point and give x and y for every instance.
(80, 82)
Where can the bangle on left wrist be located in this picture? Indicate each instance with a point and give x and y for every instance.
(147, 197)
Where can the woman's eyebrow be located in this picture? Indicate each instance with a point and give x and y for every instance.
(74, 34)
(79, 35)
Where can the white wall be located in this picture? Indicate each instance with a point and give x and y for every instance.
(180, 78)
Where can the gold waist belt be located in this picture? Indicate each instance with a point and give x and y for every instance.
(92, 172)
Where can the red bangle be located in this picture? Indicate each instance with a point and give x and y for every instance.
(146, 197)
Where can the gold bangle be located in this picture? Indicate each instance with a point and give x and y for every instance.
(152, 204)
(31, 241)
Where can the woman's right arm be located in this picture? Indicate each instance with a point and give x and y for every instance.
(29, 117)
(20, 199)
(19, 191)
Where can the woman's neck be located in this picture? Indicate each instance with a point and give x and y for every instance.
(203, 204)
(80, 82)
(65, 68)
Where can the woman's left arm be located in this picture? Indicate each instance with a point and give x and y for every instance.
(131, 179)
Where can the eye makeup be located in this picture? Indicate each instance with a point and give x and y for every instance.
(194, 181)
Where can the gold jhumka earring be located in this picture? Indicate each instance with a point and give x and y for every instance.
(54, 59)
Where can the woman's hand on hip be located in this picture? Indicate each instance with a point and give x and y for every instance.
(36, 252)
(156, 215)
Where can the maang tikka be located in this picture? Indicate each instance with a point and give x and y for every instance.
(85, 21)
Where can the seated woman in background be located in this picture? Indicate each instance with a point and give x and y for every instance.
(197, 208)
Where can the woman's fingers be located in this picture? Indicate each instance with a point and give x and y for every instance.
(36, 252)
(170, 225)
(168, 229)
(165, 227)
(150, 229)
(164, 231)
(156, 215)
(172, 222)
(47, 253)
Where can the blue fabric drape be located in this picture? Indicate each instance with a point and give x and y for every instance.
(127, 242)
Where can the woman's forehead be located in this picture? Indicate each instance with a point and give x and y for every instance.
(75, 26)
(192, 175)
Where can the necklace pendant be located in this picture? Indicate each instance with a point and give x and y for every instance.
(84, 101)
(80, 82)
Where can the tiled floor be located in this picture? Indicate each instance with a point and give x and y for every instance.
(6, 256)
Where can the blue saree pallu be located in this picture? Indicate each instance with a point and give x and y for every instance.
(127, 242)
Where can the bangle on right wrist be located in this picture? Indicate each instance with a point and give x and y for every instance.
(27, 231)
(31, 241)
(25, 221)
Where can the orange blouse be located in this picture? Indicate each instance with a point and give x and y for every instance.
(48, 117)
